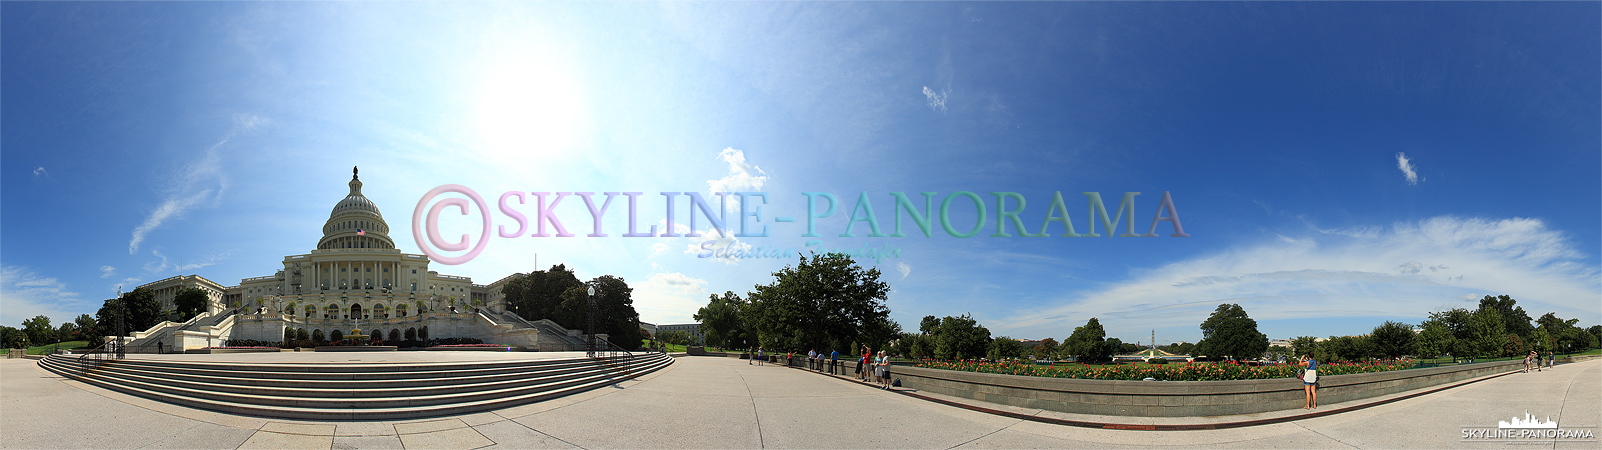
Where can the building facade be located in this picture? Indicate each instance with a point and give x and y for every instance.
(353, 280)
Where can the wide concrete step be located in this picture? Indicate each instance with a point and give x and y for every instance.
(255, 377)
(383, 399)
(358, 389)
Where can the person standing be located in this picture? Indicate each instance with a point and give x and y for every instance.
(1310, 381)
(834, 362)
(884, 373)
(862, 360)
(1550, 359)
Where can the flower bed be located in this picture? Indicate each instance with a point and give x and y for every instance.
(232, 349)
(472, 345)
(1204, 371)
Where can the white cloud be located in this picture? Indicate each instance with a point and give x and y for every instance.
(1328, 276)
(936, 100)
(1408, 170)
(669, 298)
(107, 271)
(163, 265)
(904, 268)
(24, 294)
(197, 182)
(742, 176)
(41, 172)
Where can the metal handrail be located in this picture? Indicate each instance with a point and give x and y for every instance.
(93, 358)
(610, 353)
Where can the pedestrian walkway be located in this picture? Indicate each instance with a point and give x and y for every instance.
(709, 402)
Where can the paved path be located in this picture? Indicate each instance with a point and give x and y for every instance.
(705, 402)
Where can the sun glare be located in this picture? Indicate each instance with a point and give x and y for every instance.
(530, 107)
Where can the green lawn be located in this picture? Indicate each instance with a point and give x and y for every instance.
(43, 349)
(673, 348)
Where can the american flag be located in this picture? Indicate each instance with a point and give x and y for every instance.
(360, 232)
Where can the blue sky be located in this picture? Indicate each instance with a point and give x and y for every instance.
(1336, 164)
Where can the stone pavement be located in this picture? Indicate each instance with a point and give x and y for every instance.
(709, 402)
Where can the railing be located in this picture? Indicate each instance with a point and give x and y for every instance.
(94, 358)
(610, 354)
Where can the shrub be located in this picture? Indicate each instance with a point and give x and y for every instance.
(454, 341)
(1157, 361)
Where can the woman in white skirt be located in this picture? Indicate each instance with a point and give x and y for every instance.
(1310, 381)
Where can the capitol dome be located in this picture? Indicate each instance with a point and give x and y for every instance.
(355, 223)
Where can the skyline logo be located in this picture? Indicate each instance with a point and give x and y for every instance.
(1008, 214)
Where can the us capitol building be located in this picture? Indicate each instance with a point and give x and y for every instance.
(355, 280)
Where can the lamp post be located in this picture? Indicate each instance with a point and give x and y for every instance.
(121, 311)
(591, 350)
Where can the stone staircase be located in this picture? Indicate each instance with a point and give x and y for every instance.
(353, 391)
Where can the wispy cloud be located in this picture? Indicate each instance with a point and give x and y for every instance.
(24, 294)
(107, 271)
(41, 172)
(163, 265)
(197, 182)
(904, 268)
(936, 100)
(1408, 170)
(1327, 276)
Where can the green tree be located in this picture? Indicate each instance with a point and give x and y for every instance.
(1344, 348)
(1115, 346)
(1303, 346)
(14, 338)
(1542, 341)
(1046, 349)
(1487, 333)
(190, 302)
(960, 338)
(68, 331)
(1513, 346)
(721, 321)
(1393, 340)
(674, 337)
(1596, 333)
(1514, 320)
(143, 312)
(1088, 343)
(928, 324)
(39, 330)
(1229, 332)
(539, 294)
(1567, 335)
(1435, 340)
(916, 346)
(88, 329)
(1004, 348)
(614, 310)
(824, 301)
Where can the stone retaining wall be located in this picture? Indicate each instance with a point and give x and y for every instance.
(1180, 398)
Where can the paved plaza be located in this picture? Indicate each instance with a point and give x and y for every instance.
(709, 402)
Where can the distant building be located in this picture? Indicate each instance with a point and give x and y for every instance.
(648, 328)
(692, 329)
(1279, 343)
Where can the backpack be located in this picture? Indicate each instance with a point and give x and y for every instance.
(896, 382)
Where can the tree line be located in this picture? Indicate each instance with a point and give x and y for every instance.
(559, 295)
(824, 302)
